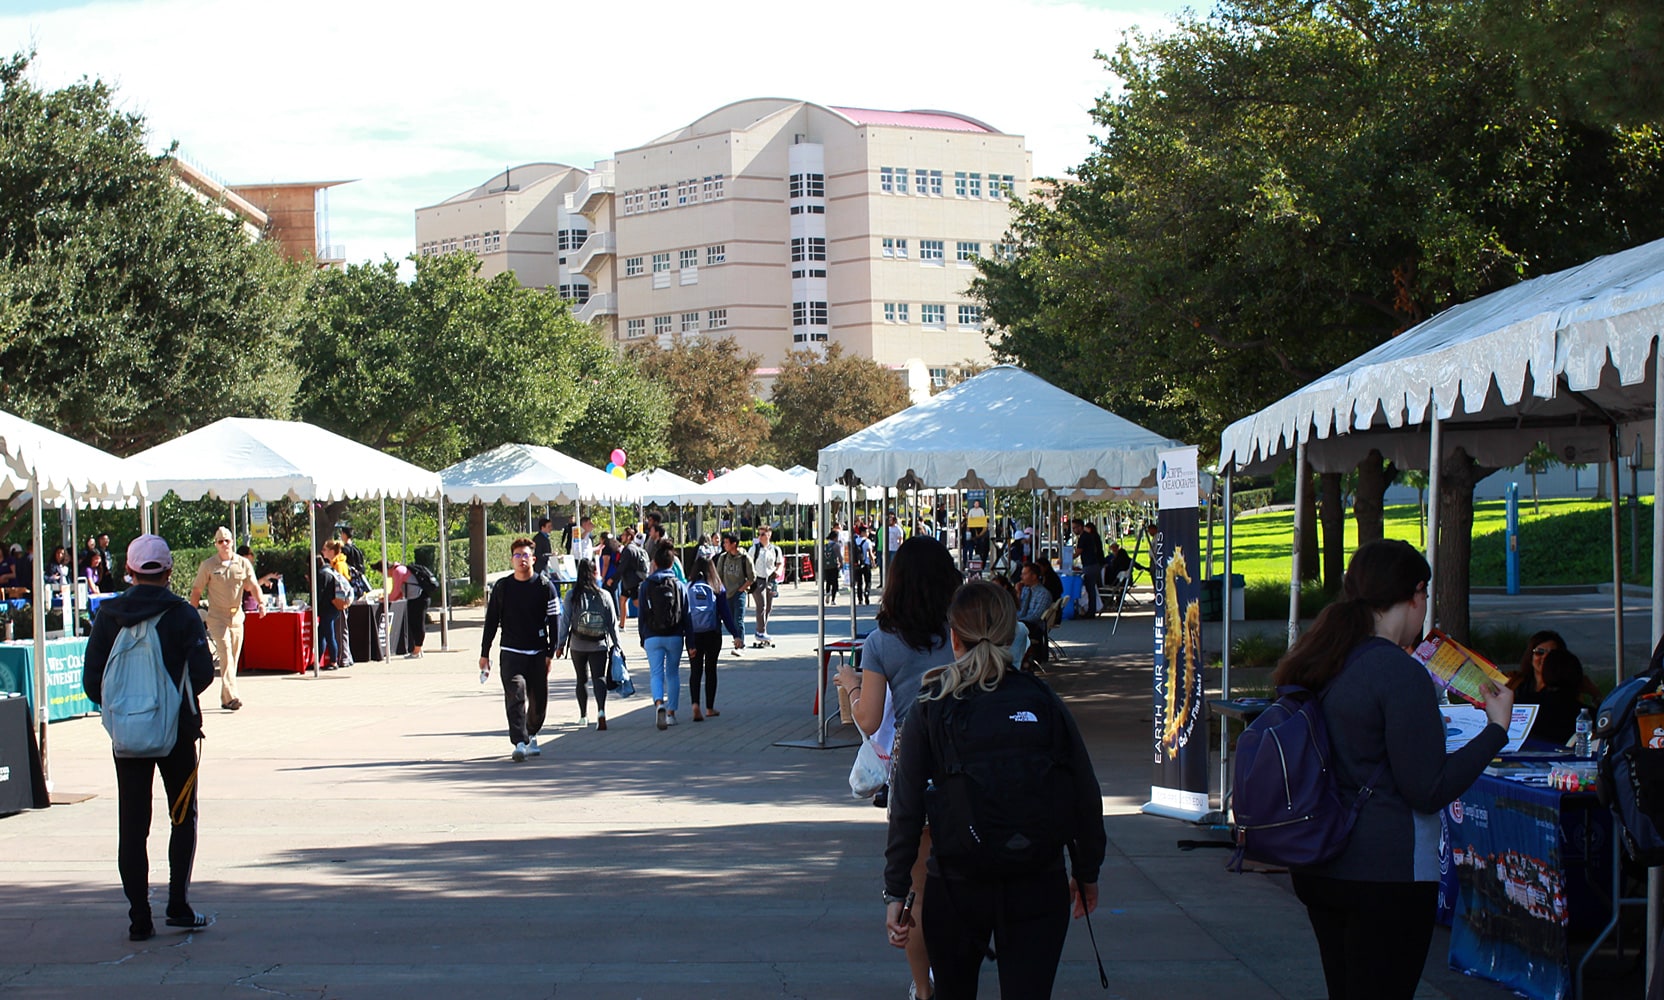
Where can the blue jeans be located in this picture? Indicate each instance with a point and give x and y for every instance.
(737, 603)
(664, 658)
(326, 633)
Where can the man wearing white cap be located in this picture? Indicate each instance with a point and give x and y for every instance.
(226, 576)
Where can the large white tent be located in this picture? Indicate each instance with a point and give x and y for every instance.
(660, 486)
(1003, 428)
(749, 484)
(518, 473)
(276, 460)
(54, 467)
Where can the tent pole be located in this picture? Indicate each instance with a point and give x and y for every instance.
(404, 533)
(1224, 644)
(386, 589)
(144, 516)
(1294, 565)
(312, 561)
(444, 580)
(1617, 560)
(38, 604)
(824, 658)
(72, 597)
(1655, 876)
(1435, 460)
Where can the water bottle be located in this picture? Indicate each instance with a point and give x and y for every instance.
(1584, 725)
(282, 596)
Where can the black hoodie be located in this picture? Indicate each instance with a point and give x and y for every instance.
(184, 644)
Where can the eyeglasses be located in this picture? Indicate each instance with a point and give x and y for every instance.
(522, 556)
(1541, 651)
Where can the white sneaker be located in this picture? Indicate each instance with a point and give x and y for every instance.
(519, 753)
(532, 748)
(670, 719)
(583, 722)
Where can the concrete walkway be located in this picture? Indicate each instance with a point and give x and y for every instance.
(365, 835)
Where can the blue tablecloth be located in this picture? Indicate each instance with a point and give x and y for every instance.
(1072, 590)
(64, 698)
(1523, 857)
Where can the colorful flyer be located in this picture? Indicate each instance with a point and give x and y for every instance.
(1463, 722)
(1457, 668)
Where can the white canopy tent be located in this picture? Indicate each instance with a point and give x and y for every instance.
(1570, 359)
(517, 473)
(660, 486)
(748, 484)
(274, 460)
(52, 467)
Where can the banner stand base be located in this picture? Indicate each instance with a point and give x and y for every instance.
(817, 745)
(1170, 812)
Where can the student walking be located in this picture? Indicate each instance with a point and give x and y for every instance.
(831, 564)
(708, 613)
(860, 564)
(737, 572)
(767, 563)
(589, 627)
(184, 649)
(224, 578)
(663, 602)
(527, 609)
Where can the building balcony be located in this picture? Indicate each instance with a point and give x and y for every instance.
(604, 304)
(587, 259)
(599, 184)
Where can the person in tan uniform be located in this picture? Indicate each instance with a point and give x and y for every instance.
(225, 577)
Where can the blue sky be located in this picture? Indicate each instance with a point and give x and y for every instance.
(419, 100)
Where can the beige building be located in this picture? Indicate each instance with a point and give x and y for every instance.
(292, 214)
(785, 224)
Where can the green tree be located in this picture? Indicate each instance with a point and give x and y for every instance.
(130, 311)
(445, 366)
(714, 421)
(818, 401)
(623, 408)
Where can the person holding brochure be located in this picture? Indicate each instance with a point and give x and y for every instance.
(1372, 907)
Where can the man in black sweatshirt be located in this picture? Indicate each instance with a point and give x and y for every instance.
(184, 643)
(526, 607)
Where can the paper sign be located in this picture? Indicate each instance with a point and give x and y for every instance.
(1463, 722)
(1457, 668)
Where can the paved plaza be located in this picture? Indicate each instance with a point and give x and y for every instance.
(364, 834)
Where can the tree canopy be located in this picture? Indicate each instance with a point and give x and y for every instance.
(819, 401)
(714, 421)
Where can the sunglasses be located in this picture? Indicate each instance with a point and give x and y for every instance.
(1540, 651)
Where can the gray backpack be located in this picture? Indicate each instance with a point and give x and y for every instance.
(141, 702)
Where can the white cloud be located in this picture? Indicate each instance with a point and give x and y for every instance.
(418, 101)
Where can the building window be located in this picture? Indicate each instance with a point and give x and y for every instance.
(716, 254)
(1005, 251)
(687, 192)
(635, 328)
(687, 258)
(919, 180)
(713, 187)
(661, 262)
(662, 326)
(968, 252)
(935, 317)
(716, 319)
(901, 180)
(960, 183)
(808, 314)
(658, 198)
(936, 183)
(895, 248)
(1004, 186)
(808, 185)
(808, 248)
(976, 185)
(578, 292)
(635, 202)
(809, 272)
(931, 251)
(938, 378)
(690, 322)
(810, 209)
(494, 241)
(970, 315)
(569, 239)
(887, 179)
(895, 312)
(632, 266)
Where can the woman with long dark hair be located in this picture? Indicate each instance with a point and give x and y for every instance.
(911, 638)
(1373, 906)
(589, 622)
(1023, 907)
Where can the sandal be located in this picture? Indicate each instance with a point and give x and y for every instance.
(195, 922)
(711, 713)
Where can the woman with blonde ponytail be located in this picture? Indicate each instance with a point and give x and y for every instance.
(1014, 792)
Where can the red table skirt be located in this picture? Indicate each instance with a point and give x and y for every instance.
(280, 641)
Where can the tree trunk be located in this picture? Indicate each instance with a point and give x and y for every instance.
(328, 515)
(1368, 505)
(476, 544)
(1309, 558)
(1333, 516)
(1458, 475)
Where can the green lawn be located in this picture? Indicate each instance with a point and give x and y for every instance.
(1566, 542)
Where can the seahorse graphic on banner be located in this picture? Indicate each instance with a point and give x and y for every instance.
(1184, 655)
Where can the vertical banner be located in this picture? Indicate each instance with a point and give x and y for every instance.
(1179, 788)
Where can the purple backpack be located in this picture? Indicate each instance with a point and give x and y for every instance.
(1288, 807)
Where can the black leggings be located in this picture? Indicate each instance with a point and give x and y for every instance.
(829, 584)
(1028, 918)
(703, 655)
(592, 666)
(134, 782)
(1372, 936)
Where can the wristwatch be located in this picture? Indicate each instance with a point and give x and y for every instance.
(893, 899)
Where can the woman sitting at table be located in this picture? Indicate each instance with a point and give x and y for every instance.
(59, 571)
(1559, 697)
(1528, 681)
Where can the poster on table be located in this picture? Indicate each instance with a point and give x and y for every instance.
(1179, 788)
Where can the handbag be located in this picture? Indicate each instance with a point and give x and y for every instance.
(618, 675)
(871, 771)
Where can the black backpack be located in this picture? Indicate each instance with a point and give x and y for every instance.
(425, 579)
(632, 568)
(1631, 781)
(1003, 800)
(664, 608)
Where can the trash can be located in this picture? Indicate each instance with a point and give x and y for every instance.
(1211, 603)
(1239, 597)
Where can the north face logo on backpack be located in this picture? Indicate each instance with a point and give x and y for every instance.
(1024, 717)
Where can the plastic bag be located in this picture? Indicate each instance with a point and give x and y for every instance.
(870, 772)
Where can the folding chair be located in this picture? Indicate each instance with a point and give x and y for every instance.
(1052, 619)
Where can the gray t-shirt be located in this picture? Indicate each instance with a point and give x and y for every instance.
(888, 655)
(1384, 706)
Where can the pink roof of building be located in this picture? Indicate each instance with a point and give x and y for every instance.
(944, 120)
